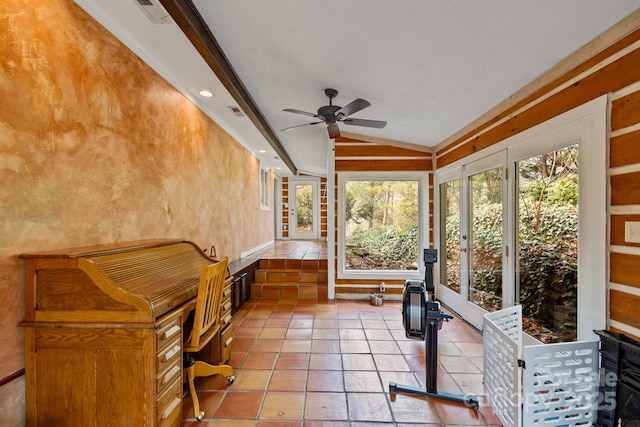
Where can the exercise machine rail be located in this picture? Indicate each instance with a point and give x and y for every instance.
(434, 318)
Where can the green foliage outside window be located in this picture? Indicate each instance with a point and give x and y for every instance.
(381, 230)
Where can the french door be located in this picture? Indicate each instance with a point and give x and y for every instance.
(304, 209)
(472, 238)
(526, 225)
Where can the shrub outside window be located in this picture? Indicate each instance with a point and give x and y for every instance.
(380, 224)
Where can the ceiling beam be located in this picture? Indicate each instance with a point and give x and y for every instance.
(185, 14)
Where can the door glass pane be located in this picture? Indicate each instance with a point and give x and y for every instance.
(450, 234)
(381, 225)
(304, 208)
(485, 239)
(547, 267)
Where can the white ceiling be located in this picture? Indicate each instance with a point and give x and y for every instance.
(428, 67)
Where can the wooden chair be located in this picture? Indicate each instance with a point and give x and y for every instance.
(206, 324)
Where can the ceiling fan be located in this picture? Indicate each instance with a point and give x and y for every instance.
(331, 114)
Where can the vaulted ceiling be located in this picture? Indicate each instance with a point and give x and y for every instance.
(428, 68)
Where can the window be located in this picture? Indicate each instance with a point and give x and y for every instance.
(450, 234)
(380, 224)
(265, 189)
(547, 244)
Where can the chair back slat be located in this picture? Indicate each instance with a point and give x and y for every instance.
(210, 288)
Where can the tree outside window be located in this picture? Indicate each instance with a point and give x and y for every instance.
(381, 229)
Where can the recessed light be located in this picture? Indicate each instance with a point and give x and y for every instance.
(262, 151)
(278, 168)
(206, 93)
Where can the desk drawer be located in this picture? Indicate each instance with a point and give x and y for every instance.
(226, 339)
(225, 313)
(169, 355)
(227, 291)
(167, 331)
(169, 406)
(172, 373)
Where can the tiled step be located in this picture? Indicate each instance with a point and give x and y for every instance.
(291, 280)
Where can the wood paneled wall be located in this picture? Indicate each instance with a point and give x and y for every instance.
(366, 156)
(285, 208)
(624, 256)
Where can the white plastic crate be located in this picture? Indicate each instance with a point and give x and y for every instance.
(551, 385)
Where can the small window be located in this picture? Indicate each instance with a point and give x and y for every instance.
(264, 189)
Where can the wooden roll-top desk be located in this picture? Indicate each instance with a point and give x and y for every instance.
(104, 332)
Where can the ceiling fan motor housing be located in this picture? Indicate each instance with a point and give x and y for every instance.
(328, 112)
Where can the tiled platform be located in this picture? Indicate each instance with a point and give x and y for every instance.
(329, 365)
(294, 249)
(292, 270)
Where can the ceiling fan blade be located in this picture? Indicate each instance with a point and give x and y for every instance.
(367, 123)
(297, 126)
(334, 132)
(291, 110)
(353, 107)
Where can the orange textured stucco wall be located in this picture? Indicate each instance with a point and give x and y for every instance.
(96, 148)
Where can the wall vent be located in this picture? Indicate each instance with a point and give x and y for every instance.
(154, 11)
(236, 110)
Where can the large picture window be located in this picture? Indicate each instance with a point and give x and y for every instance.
(380, 219)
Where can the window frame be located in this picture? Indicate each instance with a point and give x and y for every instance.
(423, 227)
(265, 189)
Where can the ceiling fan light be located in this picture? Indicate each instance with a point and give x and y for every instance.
(334, 132)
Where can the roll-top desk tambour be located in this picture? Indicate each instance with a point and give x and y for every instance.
(103, 333)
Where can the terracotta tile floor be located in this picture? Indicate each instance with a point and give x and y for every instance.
(294, 249)
(329, 365)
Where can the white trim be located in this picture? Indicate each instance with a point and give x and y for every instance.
(474, 313)
(634, 87)
(449, 297)
(331, 215)
(315, 194)
(622, 170)
(383, 158)
(581, 56)
(256, 249)
(423, 226)
(265, 188)
(625, 210)
(624, 131)
(625, 328)
(627, 250)
(624, 288)
(277, 209)
(552, 92)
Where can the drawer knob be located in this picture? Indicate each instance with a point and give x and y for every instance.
(171, 332)
(169, 375)
(170, 408)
